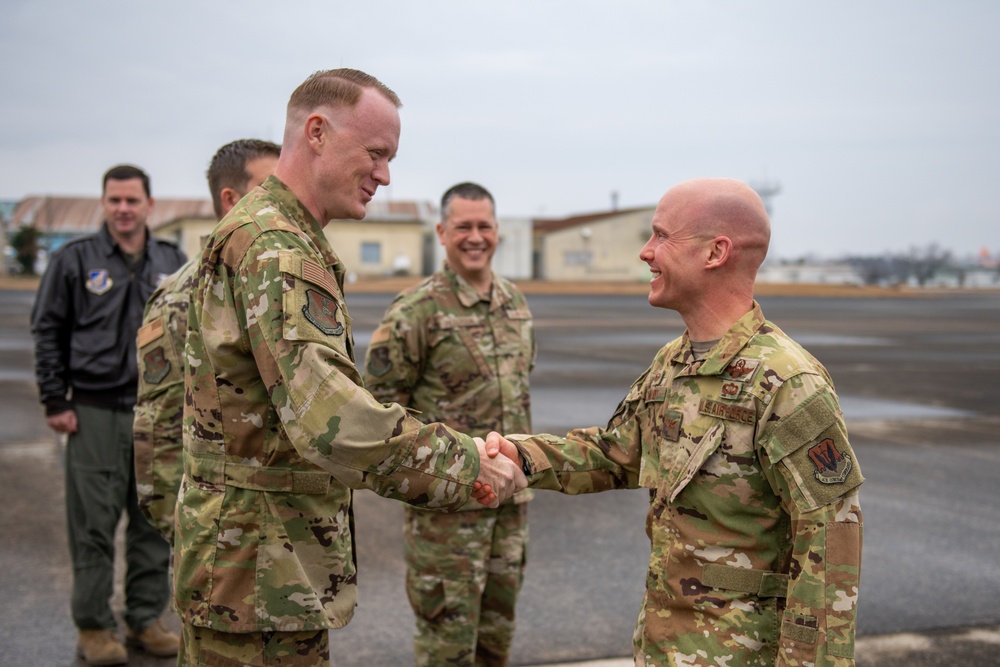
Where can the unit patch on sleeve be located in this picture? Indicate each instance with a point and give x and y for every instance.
(156, 365)
(832, 466)
(321, 311)
(378, 361)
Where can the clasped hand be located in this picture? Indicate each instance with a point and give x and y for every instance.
(500, 477)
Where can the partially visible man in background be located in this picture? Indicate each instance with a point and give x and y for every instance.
(236, 168)
(84, 321)
(458, 348)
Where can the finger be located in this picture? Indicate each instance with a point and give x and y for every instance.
(493, 444)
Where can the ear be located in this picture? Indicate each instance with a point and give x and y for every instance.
(316, 131)
(229, 198)
(440, 232)
(719, 251)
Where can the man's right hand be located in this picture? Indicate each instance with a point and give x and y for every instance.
(499, 477)
(63, 422)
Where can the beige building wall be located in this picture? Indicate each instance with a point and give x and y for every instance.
(605, 249)
(187, 233)
(373, 248)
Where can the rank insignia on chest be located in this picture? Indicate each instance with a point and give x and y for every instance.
(156, 365)
(832, 466)
(740, 370)
(321, 310)
(98, 281)
(672, 425)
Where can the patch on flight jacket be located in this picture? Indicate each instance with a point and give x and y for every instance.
(321, 311)
(98, 281)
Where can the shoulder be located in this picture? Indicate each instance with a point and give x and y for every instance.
(75, 247)
(260, 224)
(780, 353)
(417, 302)
(514, 293)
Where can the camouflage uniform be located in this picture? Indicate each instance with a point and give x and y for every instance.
(463, 360)
(278, 430)
(160, 406)
(754, 522)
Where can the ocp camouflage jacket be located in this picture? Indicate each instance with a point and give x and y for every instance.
(278, 429)
(754, 521)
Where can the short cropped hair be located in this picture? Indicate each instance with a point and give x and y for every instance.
(126, 172)
(228, 168)
(337, 86)
(465, 190)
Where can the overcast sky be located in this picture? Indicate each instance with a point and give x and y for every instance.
(879, 119)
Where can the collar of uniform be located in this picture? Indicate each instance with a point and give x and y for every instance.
(109, 245)
(294, 210)
(467, 294)
(719, 357)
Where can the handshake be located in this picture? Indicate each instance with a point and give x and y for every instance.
(500, 477)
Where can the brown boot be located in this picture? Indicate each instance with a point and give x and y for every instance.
(101, 647)
(156, 640)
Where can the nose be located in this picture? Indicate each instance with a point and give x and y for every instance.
(646, 252)
(380, 174)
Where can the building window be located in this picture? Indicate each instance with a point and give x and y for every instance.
(578, 258)
(371, 252)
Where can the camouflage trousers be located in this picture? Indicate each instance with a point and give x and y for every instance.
(464, 572)
(204, 647)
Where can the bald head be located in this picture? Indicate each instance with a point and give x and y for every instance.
(711, 207)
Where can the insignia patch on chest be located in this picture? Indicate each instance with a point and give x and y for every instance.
(98, 281)
(740, 370)
(731, 390)
(672, 425)
(321, 311)
(735, 413)
(156, 365)
(378, 361)
(832, 466)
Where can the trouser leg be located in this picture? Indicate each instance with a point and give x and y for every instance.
(504, 574)
(446, 557)
(94, 502)
(147, 554)
(204, 647)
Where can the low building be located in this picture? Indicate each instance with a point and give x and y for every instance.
(594, 247)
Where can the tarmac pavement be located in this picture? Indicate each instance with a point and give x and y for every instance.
(35, 628)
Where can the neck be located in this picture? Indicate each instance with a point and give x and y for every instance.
(300, 188)
(712, 319)
(482, 282)
(132, 243)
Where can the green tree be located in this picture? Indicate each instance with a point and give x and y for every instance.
(25, 244)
